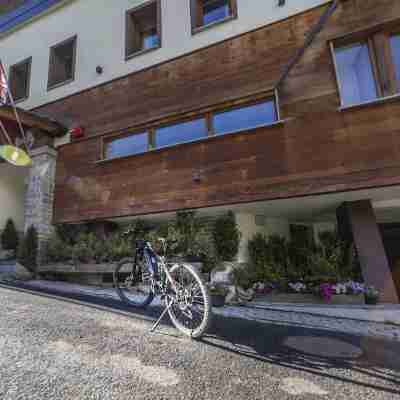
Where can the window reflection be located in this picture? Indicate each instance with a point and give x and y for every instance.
(356, 76)
(128, 145)
(395, 45)
(245, 117)
(183, 132)
(215, 10)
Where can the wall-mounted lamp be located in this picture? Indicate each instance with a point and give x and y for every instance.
(281, 3)
(99, 69)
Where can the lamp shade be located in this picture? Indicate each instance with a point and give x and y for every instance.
(15, 156)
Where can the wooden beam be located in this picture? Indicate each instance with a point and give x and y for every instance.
(33, 120)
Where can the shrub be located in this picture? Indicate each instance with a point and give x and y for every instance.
(226, 237)
(28, 250)
(9, 236)
(188, 228)
(70, 234)
(57, 250)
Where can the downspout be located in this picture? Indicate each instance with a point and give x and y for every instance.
(309, 40)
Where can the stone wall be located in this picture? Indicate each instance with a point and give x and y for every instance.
(40, 193)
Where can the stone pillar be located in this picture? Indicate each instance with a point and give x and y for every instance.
(356, 220)
(40, 193)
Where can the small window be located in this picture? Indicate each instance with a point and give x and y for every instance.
(395, 47)
(182, 132)
(62, 63)
(356, 76)
(143, 28)
(20, 80)
(245, 117)
(209, 12)
(128, 145)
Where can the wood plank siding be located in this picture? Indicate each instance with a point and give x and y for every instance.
(317, 149)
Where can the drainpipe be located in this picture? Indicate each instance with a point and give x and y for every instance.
(309, 40)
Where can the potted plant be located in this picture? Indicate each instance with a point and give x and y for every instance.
(371, 296)
(218, 294)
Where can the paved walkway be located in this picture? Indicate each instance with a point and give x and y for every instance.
(380, 322)
(61, 350)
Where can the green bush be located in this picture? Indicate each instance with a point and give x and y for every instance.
(188, 228)
(9, 236)
(57, 250)
(28, 250)
(226, 237)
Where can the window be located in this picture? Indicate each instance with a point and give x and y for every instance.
(367, 66)
(182, 132)
(208, 12)
(356, 76)
(143, 28)
(128, 145)
(205, 123)
(20, 75)
(62, 63)
(395, 47)
(245, 117)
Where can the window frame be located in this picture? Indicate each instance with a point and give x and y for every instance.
(381, 58)
(206, 112)
(128, 54)
(74, 41)
(195, 16)
(28, 62)
(127, 133)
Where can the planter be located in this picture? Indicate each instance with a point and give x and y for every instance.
(311, 299)
(217, 300)
(371, 300)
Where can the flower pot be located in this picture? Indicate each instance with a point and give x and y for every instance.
(217, 300)
(371, 300)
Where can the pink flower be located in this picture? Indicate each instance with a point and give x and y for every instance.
(327, 290)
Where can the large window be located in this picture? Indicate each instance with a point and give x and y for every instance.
(356, 77)
(208, 12)
(244, 117)
(127, 145)
(367, 66)
(395, 50)
(224, 119)
(182, 132)
(143, 28)
(62, 63)
(20, 75)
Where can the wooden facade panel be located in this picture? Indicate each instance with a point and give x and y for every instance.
(318, 149)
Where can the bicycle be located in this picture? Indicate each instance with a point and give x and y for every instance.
(140, 279)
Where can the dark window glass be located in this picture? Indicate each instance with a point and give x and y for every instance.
(183, 132)
(395, 45)
(215, 10)
(356, 76)
(62, 62)
(245, 117)
(128, 145)
(19, 80)
(142, 29)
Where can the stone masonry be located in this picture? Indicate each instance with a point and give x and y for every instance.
(40, 193)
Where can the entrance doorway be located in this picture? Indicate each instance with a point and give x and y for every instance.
(391, 241)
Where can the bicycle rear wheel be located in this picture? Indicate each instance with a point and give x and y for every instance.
(133, 283)
(189, 306)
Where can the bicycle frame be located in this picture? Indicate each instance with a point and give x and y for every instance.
(157, 266)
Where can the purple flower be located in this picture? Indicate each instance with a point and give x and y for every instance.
(327, 290)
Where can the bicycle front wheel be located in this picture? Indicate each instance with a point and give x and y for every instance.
(133, 283)
(189, 304)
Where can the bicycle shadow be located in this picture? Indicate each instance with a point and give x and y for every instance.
(302, 349)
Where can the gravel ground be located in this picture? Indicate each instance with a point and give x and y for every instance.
(52, 349)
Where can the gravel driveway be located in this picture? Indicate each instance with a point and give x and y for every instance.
(51, 349)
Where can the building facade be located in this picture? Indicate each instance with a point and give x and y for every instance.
(193, 105)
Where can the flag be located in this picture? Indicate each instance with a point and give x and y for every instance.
(3, 86)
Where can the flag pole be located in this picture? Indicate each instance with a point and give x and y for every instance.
(3, 129)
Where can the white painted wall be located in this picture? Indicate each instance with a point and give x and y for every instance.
(100, 26)
(12, 195)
